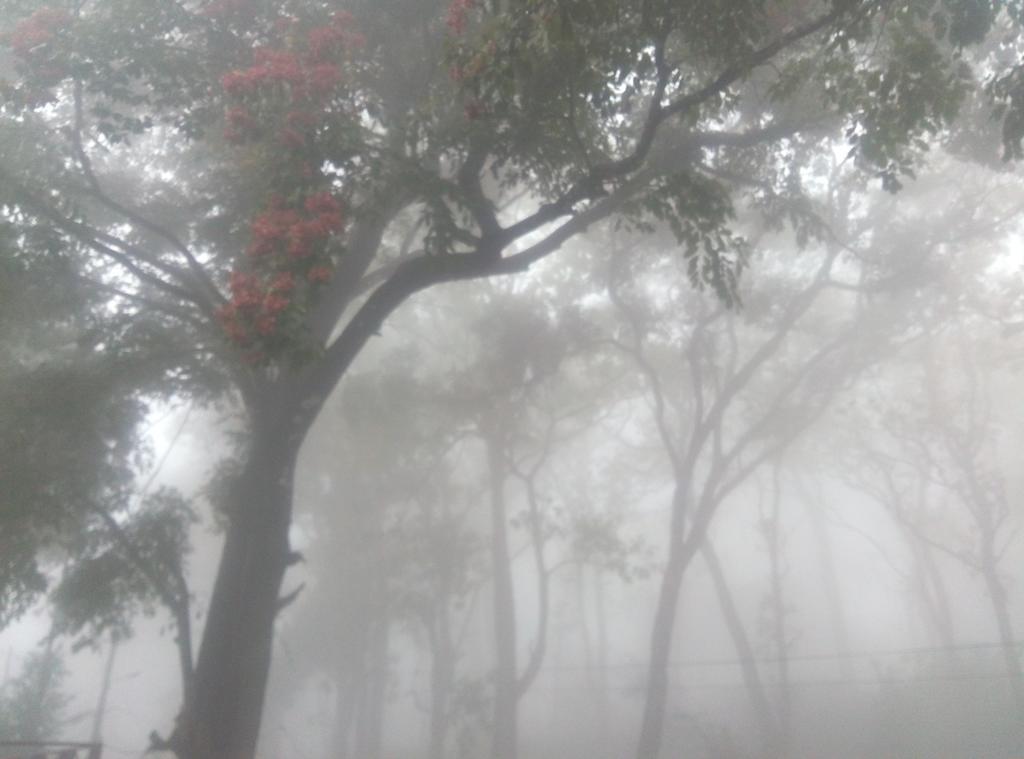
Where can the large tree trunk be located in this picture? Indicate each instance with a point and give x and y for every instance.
(222, 711)
(506, 696)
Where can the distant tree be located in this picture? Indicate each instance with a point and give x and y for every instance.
(936, 471)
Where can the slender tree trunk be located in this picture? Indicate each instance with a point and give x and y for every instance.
(680, 553)
(656, 695)
(830, 578)
(777, 602)
(506, 696)
(96, 734)
(586, 639)
(350, 681)
(370, 729)
(601, 619)
(1004, 624)
(934, 595)
(442, 678)
(222, 711)
(745, 653)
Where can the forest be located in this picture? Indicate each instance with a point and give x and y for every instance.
(511, 379)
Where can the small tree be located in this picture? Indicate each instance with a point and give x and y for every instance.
(33, 706)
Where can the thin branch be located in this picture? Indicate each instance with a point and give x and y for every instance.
(195, 268)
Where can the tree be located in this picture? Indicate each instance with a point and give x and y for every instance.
(941, 451)
(231, 176)
(33, 706)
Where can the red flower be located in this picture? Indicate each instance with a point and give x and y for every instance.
(283, 282)
(325, 42)
(322, 202)
(301, 238)
(36, 31)
(274, 304)
(458, 13)
(266, 325)
(270, 67)
(277, 66)
(319, 274)
(323, 79)
(270, 229)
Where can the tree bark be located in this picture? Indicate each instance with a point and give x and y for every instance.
(223, 708)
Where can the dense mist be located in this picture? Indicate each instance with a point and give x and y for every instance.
(561, 379)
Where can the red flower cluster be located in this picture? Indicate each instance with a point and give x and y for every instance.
(32, 34)
(255, 307)
(307, 81)
(270, 67)
(326, 42)
(287, 244)
(33, 42)
(285, 96)
(297, 233)
(314, 75)
(458, 15)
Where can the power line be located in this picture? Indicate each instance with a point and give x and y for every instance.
(800, 684)
(835, 656)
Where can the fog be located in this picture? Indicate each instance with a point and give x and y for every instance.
(466, 439)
